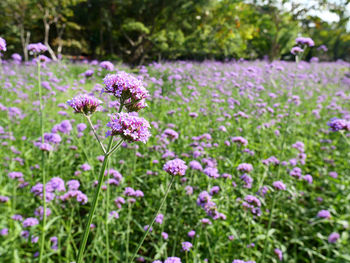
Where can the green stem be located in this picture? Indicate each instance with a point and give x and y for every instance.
(96, 136)
(154, 218)
(42, 239)
(94, 204)
(278, 175)
(128, 232)
(107, 215)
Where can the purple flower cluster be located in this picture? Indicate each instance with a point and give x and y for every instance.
(253, 203)
(37, 48)
(30, 221)
(245, 167)
(2, 44)
(296, 50)
(305, 41)
(279, 185)
(186, 246)
(204, 201)
(339, 124)
(85, 104)
(175, 167)
(107, 65)
(130, 127)
(125, 86)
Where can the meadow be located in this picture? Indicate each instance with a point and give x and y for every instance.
(267, 178)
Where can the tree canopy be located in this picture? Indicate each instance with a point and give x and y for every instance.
(136, 31)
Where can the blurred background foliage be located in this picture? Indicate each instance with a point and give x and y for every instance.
(138, 31)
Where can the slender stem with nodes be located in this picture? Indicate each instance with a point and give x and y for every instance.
(96, 136)
(42, 239)
(278, 172)
(94, 204)
(154, 218)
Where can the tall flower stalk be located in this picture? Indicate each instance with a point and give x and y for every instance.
(298, 55)
(126, 125)
(36, 49)
(174, 168)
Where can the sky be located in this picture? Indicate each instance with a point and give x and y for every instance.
(325, 15)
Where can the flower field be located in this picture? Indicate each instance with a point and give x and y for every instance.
(241, 162)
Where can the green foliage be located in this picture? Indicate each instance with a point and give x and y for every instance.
(145, 30)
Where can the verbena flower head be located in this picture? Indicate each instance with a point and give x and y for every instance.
(107, 65)
(186, 246)
(125, 86)
(296, 50)
(85, 104)
(324, 214)
(130, 127)
(305, 41)
(16, 57)
(173, 260)
(279, 185)
(175, 167)
(333, 237)
(37, 48)
(30, 221)
(338, 124)
(279, 254)
(2, 44)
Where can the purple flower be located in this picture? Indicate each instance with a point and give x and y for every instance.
(195, 165)
(4, 199)
(186, 246)
(169, 133)
(211, 172)
(245, 167)
(114, 214)
(324, 214)
(279, 254)
(107, 65)
(81, 127)
(296, 172)
(165, 235)
(88, 73)
(17, 217)
(54, 241)
(159, 219)
(37, 48)
(15, 175)
(239, 140)
(40, 212)
(304, 41)
(279, 185)
(307, 178)
(252, 199)
(191, 234)
(85, 167)
(175, 167)
(30, 221)
(173, 260)
(338, 124)
(333, 237)
(214, 190)
(2, 44)
(73, 184)
(333, 174)
(16, 57)
(55, 184)
(52, 138)
(130, 127)
(296, 50)
(4, 232)
(125, 86)
(189, 190)
(85, 104)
